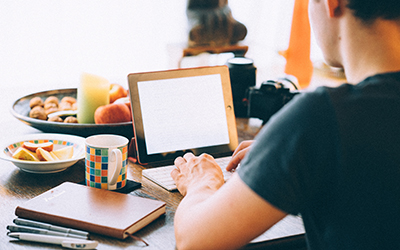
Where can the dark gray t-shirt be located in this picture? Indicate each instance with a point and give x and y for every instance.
(333, 156)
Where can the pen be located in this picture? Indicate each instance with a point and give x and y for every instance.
(31, 223)
(63, 241)
(14, 228)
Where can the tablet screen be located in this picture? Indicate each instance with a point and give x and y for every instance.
(183, 113)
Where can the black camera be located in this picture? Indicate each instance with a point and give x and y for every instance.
(271, 96)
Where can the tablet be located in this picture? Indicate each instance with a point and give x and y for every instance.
(182, 110)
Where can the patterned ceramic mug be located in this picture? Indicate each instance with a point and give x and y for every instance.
(106, 160)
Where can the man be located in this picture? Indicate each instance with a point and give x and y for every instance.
(332, 155)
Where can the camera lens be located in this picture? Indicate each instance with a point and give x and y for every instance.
(243, 75)
(240, 62)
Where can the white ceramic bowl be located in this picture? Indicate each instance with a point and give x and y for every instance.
(44, 167)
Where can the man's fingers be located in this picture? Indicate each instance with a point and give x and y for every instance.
(232, 163)
(242, 145)
(188, 156)
(235, 160)
(179, 161)
(174, 174)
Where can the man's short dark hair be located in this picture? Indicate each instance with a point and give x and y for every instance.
(370, 10)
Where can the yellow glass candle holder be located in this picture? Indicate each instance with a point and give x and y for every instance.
(93, 92)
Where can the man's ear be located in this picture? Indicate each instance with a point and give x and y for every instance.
(334, 7)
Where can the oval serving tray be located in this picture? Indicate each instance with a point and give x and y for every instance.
(20, 110)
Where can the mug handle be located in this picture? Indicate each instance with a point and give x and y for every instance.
(117, 166)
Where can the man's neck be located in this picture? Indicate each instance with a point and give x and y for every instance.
(370, 50)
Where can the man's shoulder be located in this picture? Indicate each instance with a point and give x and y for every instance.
(375, 82)
(382, 85)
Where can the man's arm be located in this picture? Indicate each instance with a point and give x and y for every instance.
(215, 217)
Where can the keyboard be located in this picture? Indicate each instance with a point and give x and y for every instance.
(162, 175)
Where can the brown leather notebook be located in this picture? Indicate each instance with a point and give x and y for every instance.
(90, 209)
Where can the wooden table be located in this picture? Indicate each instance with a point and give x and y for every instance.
(17, 186)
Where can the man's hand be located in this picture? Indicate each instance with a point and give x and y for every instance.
(197, 173)
(239, 154)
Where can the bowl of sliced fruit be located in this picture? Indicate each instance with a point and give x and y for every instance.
(44, 153)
